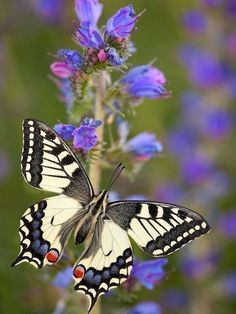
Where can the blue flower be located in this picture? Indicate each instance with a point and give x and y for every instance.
(169, 192)
(212, 3)
(175, 299)
(200, 266)
(88, 36)
(136, 197)
(64, 130)
(67, 95)
(205, 70)
(88, 10)
(85, 136)
(182, 140)
(145, 81)
(216, 123)
(228, 284)
(145, 308)
(63, 278)
(195, 21)
(114, 57)
(144, 146)
(197, 168)
(50, 10)
(227, 225)
(122, 23)
(71, 57)
(149, 273)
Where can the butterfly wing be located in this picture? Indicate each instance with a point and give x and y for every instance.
(158, 228)
(49, 164)
(45, 228)
(105, 264)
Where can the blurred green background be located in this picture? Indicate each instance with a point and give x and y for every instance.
(25, 91)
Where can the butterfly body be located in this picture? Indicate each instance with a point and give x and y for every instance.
(95, 212)
(158, 228)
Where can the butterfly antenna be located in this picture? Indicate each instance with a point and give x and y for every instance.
(115, 175)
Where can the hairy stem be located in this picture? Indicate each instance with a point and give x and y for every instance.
(95, 165)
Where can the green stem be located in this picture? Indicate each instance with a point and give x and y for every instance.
(95, 166)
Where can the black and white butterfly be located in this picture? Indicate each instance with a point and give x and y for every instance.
(158, 228)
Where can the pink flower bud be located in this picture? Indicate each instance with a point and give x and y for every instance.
(102, 56)
(61, 69)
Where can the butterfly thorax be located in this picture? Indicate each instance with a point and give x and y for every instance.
(95, 211)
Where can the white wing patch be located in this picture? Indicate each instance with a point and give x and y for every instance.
(49, 164)
(45, 228)
(158, 228)
(106, 267)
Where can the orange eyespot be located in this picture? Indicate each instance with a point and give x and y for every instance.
(52, 256)
(79, 272)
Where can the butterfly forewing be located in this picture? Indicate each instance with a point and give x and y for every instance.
(49, 164)
(45, 228)
(158, 228)
(105, 264)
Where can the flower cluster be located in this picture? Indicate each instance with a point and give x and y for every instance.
(109, 49)
(201, 143)
(84, 137)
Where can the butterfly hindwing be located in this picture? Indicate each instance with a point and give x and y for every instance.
(49, 164)
(45, 228)
(105, 264)
(158, 228)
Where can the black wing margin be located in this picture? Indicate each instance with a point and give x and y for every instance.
(158, 228)
(49, 164)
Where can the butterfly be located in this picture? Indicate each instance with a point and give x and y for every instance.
(158, 228)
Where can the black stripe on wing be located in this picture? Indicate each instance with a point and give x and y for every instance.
(105, 264)
(49, 164)
(158, 228)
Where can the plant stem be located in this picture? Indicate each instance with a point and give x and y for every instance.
(95, 165)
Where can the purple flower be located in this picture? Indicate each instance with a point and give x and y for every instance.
(205, 70)
(174, 299)
(149, 273)
(114, 196)
(88, 36)
(50, 10)
(196, 168)
(169, 192)
(64, 130)
(61, 69)
(201, 266)
(88, 10)
(228, 284)
(195, 21)
(227, 225)
(231, 7)
(216, 123)
(231, 44)
(211, 3)
(122, 23)
(114, 58)
(145, 308)
(182, 140)
(63, 278)
(136, 197)
(71, 57)
(85, 137)
(67, 94)
(144, 146)
(145, 81)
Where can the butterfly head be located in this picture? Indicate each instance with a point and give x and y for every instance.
(99, 203)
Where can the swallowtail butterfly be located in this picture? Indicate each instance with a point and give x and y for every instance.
(158, 228)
